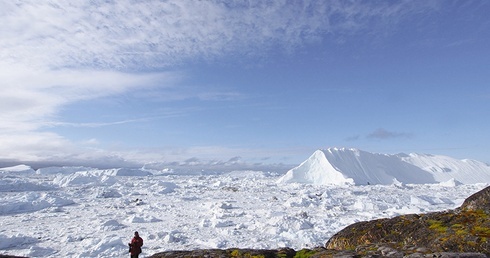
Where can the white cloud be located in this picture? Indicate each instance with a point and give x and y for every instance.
(30, 98)
(134, 34)
(54, 53)
(34, 146)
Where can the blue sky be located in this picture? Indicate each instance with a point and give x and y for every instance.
(251, 82)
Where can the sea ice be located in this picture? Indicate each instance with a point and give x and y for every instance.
(93, 213)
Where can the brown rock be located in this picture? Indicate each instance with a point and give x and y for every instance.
(478, 201)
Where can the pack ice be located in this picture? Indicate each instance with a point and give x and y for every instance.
(90, 212)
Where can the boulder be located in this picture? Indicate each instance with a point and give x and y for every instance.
(478, 201)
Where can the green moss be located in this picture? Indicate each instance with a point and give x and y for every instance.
(284, 253)
(481, 231)
(457, 226)
(239, 254)
(304, 253)
(437, 226)
(461, 232)
(471, 244)
(472, 216)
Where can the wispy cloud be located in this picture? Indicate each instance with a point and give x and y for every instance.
(353, 138)
(95, 125)
(30, 98)
(383, 134)
(130, 35)
(162, 115)
(56, 53)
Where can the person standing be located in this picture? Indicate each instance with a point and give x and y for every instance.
(135, 245)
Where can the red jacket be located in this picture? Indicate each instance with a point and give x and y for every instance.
(136, 244)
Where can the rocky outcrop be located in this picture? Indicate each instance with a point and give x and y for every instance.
(478, 201)
(319, 252)
(465, 229)
(220, 253)
(366, 251)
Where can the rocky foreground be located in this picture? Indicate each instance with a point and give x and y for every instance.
(462, 232)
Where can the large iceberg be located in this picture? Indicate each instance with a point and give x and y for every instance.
(338, 166)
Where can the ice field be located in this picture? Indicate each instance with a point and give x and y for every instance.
(82, 212)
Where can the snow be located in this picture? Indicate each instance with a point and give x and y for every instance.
(445, 168)
(31, 201)
(61, 170)
(335, 166)
(88, 212)
(17, 169)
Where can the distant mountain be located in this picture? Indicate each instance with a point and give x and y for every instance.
(337, 166)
